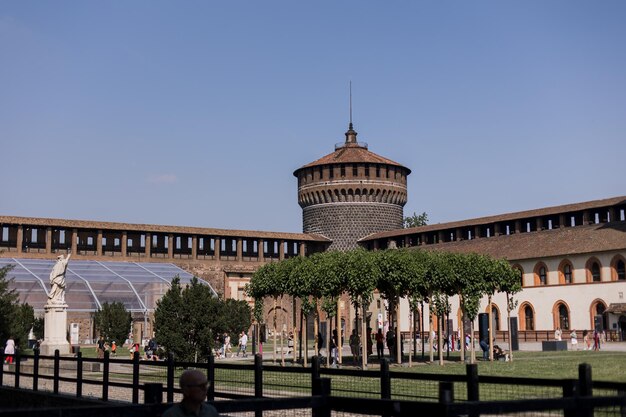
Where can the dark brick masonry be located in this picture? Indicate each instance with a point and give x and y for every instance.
(346, 223)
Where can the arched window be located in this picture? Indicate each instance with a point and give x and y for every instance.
(541, 274)
(495, 316)
(593, 270)
(529, 318)
(563, 317)
(599, 317)
(618, 273)
(565, 272)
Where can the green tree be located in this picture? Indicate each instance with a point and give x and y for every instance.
(188, 320)
(113, 321)
(17, 318)
(38, 327)
(416, 220)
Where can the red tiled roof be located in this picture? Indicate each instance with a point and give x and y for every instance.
(351, 154)
(86, 224)
(548, 211)
(547, 243)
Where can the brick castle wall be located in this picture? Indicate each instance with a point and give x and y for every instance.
(345, 223)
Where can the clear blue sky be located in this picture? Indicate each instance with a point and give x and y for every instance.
(196, 113)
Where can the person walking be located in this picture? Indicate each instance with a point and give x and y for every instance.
(334, 350)
(243, 343)
(227, 346)
(573, 339)
(9, 350)
(380, 344)
(355, 344)
(113, 349)
(100, 347)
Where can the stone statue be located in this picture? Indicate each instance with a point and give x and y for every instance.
(57, 280)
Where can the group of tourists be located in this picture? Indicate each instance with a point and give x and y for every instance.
(224, 348)
(596, 338)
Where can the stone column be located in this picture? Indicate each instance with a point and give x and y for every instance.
(99, 243)
(20, 238)
(217, 248)
(561, 221)
(148, 247)
(302, 248)
(55, 330)
(124, 243)
(74, 241)
(194, 247)
(170, 246)
(48, 240)
(239, 249)
(281, 250)
(261, 251)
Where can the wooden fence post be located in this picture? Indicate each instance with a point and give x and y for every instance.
(315, 369)
(385, 380)
(79, 374)
(55, 384)
(570, 389)
(152, 393)
(18, 359)
(321, 387)
(473, 387)
(170, 377)
(585, 388)
(210, 375)
(105, 376)
(446, 392)
(136, 378)
(258, 380)
(35, 370)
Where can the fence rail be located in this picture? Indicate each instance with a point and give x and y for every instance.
(133, 381)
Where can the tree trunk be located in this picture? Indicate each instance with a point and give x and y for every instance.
(398, 333)
(440, 338)
(508, 326)
(328, 323)
(431, 343)
(472, 350)
(462, 330)
(490, 328)
(338, 327)
(274, 324)
(412, 333)
(283, 325)
(363, 337)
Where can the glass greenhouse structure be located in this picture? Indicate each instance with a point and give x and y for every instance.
(89, 284)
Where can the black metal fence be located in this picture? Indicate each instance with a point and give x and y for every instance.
(356, 391)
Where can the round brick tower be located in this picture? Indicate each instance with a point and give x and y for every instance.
(351, 193)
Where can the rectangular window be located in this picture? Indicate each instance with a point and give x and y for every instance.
(355, 170)
(377, 171)
(5, 234)
(367, 170)
(343, 171)
(331, 172)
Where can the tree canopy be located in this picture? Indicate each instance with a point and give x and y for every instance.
(416, 220)
(113, 322)
(17, 319)
(188, 320)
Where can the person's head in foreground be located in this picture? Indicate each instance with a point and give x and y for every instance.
(193, 384)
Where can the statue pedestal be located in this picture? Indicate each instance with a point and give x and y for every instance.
(55, 330)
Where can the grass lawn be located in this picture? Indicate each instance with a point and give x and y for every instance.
(605, 365)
